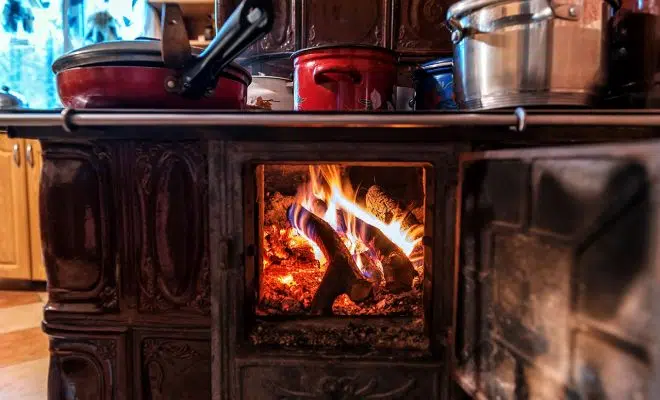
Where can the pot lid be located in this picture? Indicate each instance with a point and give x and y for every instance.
(139, 52)
(445, 62)
(9, 100)
(461, 8)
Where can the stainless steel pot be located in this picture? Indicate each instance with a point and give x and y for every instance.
(510, 53)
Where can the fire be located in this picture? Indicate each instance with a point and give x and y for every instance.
(331, 197)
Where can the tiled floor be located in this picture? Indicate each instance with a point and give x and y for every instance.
(23, 346)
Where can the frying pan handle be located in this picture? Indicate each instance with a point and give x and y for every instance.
(251, 20)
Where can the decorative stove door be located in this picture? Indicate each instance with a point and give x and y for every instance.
(279, 334)
(558, 273)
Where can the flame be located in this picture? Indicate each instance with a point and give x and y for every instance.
(331, 197)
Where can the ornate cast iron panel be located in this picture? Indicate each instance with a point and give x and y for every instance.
(76, 193)
(304, 379)
(87, 367)
(343, 21)
(170, 225)
(419, 26)
(172, 365)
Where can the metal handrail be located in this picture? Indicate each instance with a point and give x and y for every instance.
(520, 119)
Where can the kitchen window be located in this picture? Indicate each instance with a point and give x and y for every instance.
(35, 32)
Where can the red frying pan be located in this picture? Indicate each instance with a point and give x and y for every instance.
(152, 74)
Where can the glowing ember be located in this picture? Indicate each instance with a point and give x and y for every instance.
(287, 280)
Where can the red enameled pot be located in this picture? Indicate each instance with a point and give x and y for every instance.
(344, 78)
(153, 74)
(118, 86)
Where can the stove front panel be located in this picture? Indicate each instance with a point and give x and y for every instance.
(352, 349)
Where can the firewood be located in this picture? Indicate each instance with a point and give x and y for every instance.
(370, 270)
(386, 208)
(319, 207)
(342, 275)
(398, 270)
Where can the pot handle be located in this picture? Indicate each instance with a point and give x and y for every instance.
(251, 20)
(558, 9)
(324, 74)
(174, 46)
(459, 31)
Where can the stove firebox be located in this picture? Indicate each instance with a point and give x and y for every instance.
(332, 245)
(343, 240)
(345, 254)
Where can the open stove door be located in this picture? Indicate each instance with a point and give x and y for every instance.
(558, 273)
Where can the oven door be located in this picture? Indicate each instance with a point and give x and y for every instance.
(557, 273)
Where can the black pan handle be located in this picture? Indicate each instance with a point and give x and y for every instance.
(250, 21)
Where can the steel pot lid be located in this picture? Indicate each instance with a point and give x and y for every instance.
(439, 64)
(9, 100)
(462, 8)
(140, 52)
(544, 10)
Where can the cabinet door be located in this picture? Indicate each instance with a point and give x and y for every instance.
(33, 166)
(14, 232)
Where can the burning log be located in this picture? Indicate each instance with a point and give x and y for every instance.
(319, 207)
(342, 275)
(370, 269)
(386, 208)
(398, 270)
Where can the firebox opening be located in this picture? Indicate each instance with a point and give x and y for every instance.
(341, 240)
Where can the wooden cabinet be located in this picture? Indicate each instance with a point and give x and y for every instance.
(20, 239)
(33, 163)
(14, 229)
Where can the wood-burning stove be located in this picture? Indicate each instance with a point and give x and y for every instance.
(538, 268)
